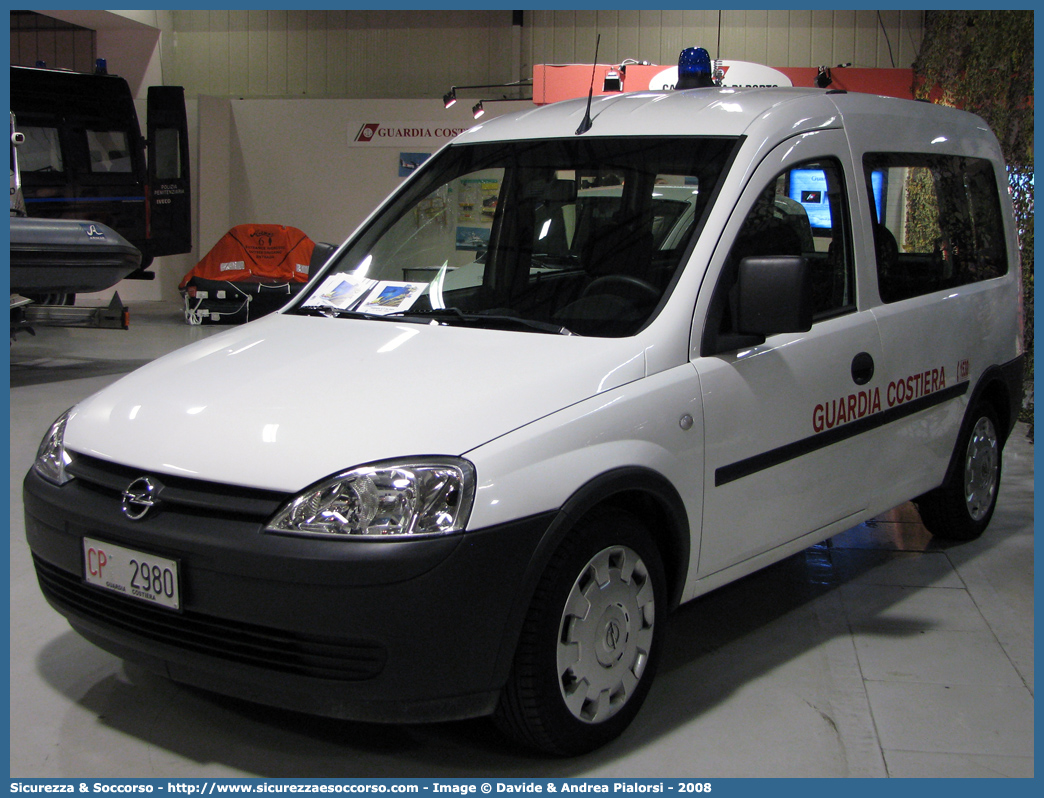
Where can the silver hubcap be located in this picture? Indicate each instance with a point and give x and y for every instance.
(605, 634)
(981, 467)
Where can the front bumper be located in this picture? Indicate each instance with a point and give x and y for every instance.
(369, 630)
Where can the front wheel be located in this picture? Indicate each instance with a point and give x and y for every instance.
(961, 508)
(591, 639)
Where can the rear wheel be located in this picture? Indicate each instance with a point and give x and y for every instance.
(962, 507)
(591, 640)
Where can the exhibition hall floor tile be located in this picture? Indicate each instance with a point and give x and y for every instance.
(877, 653)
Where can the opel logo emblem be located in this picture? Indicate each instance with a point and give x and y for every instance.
(139, 498)
(612, 636)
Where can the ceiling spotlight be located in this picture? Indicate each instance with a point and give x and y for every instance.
(450, 97)
(477, 110)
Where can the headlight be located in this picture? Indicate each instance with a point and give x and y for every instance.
(420, 497)
(51, 457)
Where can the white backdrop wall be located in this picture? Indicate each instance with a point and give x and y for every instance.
(290, 161)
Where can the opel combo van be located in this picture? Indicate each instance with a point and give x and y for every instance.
(561, 382)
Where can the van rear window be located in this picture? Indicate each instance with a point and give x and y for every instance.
(937, 222)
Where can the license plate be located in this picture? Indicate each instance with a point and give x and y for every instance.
(131, 573)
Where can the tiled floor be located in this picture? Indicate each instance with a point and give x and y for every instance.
(877, 653)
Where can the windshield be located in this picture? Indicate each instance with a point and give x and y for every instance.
(576, 237)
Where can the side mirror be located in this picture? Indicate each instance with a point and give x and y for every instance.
(774, 295)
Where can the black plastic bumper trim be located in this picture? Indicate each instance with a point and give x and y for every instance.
(251, 644)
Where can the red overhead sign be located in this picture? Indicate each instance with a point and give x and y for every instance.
(556, 82)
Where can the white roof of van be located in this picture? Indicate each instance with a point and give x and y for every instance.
(770, 113)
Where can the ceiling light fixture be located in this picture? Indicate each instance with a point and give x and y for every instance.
(450, 97)
(478, 109)
(824, 78)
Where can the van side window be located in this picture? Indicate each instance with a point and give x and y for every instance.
(109, 151)
(802, 211)
(937, 222)
(41, 151)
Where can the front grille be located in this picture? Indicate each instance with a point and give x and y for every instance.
(180, 494)
(249, 644)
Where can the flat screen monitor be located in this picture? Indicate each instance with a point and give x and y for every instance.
(809, 188)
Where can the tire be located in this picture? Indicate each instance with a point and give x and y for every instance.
(961, 508)
(591, 639)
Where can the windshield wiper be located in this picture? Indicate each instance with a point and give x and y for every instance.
(334, 313)
(485, 319)
(499, 321)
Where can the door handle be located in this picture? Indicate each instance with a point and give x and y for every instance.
(862, 368)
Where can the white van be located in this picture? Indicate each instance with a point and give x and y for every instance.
(558, 384)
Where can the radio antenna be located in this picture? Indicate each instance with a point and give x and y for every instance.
(586, 124)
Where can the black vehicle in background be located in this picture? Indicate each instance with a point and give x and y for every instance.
(83, 157)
